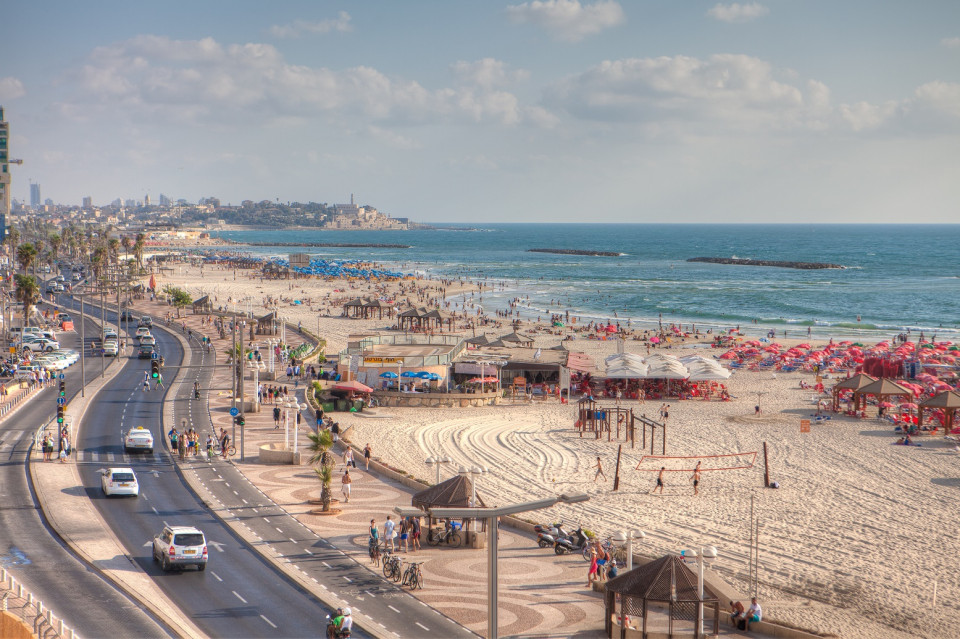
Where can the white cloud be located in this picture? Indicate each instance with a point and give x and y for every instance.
(934, 107)
(11, 88)
(951, 43)
(299, 27)
(943, 97)
(863, 116)
(737, 90)
(208, 82)
(737, 12)
(568, 20)
(487, 73)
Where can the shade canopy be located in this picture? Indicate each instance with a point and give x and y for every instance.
(626, 366)
(353, 386)
(946, 399)
(453, 492)
(854, 383)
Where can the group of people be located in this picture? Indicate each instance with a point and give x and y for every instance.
(187, 443)
(741, 618)
(402, 536)
(602, 565)
(63, 450)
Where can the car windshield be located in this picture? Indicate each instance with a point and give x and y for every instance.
(188, 539)
(122, 477)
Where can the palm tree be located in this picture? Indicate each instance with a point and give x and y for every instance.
(28, 293)
(126, 243)
(138, 250)
(113, 245)
(320, 444)
(26, 254)
(55, 243)
(99, 262)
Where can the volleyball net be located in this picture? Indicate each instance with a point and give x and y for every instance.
(677, 464)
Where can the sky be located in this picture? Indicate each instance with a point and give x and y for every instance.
(463, 111)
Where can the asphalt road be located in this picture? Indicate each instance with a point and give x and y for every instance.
(34, 554)
(239, 595)
(389, 605)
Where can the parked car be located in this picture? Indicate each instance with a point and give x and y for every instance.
(180, 546)
(148, 340)
(138, 439)
(39, 345)
(119, 481)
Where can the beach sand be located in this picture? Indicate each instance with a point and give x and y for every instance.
(850, 544)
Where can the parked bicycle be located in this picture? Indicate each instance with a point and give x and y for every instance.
(413, 577)
(618, 553)
(392, 565)
(374, 552)
(450, 534)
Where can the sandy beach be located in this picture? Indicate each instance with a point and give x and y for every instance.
(851, 543)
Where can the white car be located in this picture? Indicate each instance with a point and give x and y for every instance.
(38, 344)
(138, 439)
(148, 340)
(180, 546)
(142, 332)
(50, 361)
(111, 348)
(119, 481)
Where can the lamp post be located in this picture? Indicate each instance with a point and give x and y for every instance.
(437, 461)
(474, 472)
(493, 515)
(708, 552)
(628, 537)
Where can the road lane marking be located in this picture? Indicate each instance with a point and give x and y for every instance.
(393, 609)
(348, 579)
(422, 626)
(370, 593)
(292, 539)
(308, 552)
(216, 576)
(275, 625)
(279, 529)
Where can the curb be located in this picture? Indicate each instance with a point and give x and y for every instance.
(174, 622)
(279, 563)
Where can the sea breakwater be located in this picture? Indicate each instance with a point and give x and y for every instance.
(328, 245)
(810, 266)
(575, 252)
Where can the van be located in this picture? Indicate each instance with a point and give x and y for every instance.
(17, 331)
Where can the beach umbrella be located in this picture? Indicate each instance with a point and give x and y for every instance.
(389, 375)
(354, 386)
(408, 374)
(885, 405)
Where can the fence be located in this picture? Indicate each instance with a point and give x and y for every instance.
(21, 603)
(9, 405)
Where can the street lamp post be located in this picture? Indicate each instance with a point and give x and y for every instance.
(492, 516)
(624, 536)
(705, 552)
(438, 461)
(474, 472)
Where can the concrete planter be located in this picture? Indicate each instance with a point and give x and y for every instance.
(277, 453)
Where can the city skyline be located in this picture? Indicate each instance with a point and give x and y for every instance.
(551, 111)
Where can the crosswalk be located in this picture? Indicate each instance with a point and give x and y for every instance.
(9, 438)
(126, 459)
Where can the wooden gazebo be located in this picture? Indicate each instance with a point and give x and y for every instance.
(881, 389)
(202, 305)
(516, 339)
(267, 325)
(854, 384)
(452, 493)
(411, 319)
(353, 308)
(948, 402)
(665, 587)
(375, 306)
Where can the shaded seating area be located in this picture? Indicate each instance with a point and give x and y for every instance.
(516, 339)
(202, 305)
(454, 492)
(366, 309)
(851, 384)
(660, 597)
(267, 325)
(883, 389)
(948, 402)
(423, 319)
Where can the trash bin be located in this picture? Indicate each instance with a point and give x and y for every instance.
(327, 407)
(358, 404)
(340, 404)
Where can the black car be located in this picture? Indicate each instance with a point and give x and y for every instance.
(146, 351)
(126, 316)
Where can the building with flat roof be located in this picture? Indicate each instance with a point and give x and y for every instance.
(4, 166)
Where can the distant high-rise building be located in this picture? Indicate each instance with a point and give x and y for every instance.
(164, 200)
(4, 167)
(35, 200)
(146, 200)
(130, 204)
(88, 202)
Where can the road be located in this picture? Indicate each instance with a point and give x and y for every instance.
(239, 595)
(35, 554)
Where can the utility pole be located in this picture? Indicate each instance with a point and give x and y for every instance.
(103, 320)
(243, 402)
(83, 347)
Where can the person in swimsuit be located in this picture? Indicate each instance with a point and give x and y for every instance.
(659, 485)
(696, 479)
(599, 472)
(366, 455)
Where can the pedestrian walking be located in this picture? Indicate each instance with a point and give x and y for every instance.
(276, 417)
(348, 459)
(346, 481)
(599, 472)
(696, 479)
(389, 532)
(405, 534)
(663, 470)
(366, 456)
(159, 381)
(415, 521)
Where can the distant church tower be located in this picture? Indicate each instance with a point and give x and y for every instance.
(351, 199)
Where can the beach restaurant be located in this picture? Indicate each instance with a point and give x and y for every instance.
(406, 363)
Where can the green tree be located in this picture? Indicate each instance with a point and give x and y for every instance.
(26, 255)
(138, 250)
(28, 293)
(179, 297)
(320, 444)
(56, 241)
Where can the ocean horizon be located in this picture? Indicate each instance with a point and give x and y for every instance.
(895, 277)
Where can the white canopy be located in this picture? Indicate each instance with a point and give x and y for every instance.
(704, 369)
(665, 367)
(626, 366)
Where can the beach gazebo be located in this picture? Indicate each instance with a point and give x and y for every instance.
(452, 493)
(267, 325)
(411, 319)
(948, 402)
(854, 384)
(202, 305)
(882, 389)
(372, 306)
(662, 591)
(353, 308)
(516, 339)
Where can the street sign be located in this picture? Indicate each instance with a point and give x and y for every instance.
(154, 355)
(234, 412)
(804, 425)
(61, 401)
(62, 376)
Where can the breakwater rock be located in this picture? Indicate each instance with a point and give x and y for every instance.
(574, 252)
(779, 264)
(328, 245)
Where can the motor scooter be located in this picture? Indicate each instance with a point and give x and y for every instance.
(574, 543)
(548, 535)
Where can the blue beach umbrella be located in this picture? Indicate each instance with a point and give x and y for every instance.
(389, 375)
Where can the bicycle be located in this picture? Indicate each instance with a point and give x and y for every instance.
(451, 535)
(413, 577)
(605, 545)
(374, 550)
(231, 451)
(392, 565)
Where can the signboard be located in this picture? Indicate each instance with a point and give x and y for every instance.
(469, 368)
(804, 425)
(354, 364)
(154, 355)
(382, 361)
(234, 411)
(62, 376)
(61, 401)
(565, 378)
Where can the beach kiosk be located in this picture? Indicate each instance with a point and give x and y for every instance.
(456, 492)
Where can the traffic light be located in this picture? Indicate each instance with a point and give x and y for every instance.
(60, 413)
(241, 421)
(63, 388)
(154, 369)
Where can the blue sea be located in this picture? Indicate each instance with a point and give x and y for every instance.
(896, 276)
